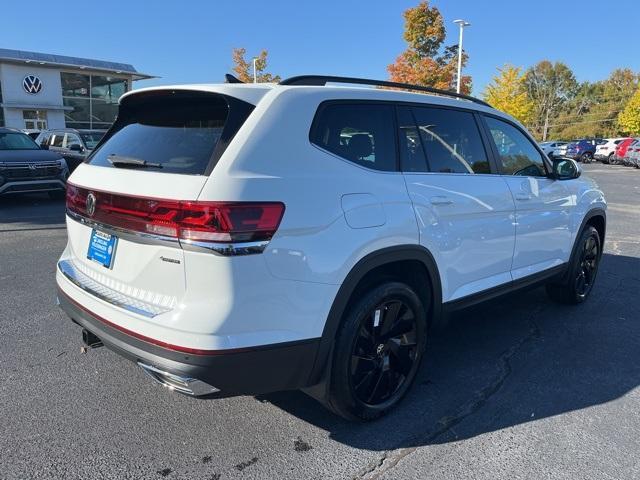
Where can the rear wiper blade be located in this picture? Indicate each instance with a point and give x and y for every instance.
(131, 162)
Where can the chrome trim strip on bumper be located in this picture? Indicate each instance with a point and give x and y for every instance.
(90, 285)
(137, 237)
(55, 184)
(222, 249)
(186, 385)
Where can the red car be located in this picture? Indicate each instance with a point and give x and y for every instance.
(621, 150)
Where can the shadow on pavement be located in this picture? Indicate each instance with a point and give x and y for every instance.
(31, 211)
(515, 360)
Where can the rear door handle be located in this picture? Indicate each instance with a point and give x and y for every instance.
(440, 200)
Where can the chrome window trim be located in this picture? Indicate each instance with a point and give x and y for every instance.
(229, 249)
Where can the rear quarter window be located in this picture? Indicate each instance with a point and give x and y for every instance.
(361, 133)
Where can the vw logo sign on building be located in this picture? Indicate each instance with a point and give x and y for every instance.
(32, 84)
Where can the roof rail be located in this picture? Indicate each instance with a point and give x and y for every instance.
(321, 80)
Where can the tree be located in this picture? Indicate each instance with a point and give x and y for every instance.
(550, 86)
(594, 109)
(629, 118)
(425, 61)
(507, 92)
(244, 69)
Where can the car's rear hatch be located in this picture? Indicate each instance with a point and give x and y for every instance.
(133, 203)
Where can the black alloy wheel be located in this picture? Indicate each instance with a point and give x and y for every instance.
(384, 352)
(377, 351)
(578, 281)
(586, 272)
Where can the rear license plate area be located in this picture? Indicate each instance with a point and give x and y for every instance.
(102, 248)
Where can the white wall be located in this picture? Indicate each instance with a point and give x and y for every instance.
(12, 76)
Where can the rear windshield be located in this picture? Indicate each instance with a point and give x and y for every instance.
(173, 133)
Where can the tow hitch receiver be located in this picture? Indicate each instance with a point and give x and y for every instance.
(89, 340)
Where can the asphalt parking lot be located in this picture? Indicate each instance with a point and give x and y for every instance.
(519, 388)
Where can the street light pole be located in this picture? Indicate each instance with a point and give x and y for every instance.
(255, 74)
(461, 24)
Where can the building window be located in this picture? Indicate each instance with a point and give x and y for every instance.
(93, 99)
(35, 119)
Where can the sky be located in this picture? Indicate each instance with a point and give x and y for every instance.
(191, 41)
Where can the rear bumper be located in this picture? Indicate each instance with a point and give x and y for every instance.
(254, 370)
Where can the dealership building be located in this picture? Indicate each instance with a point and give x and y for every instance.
(39, 90)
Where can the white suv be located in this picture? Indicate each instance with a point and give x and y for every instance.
(605, 151)
(242, 239)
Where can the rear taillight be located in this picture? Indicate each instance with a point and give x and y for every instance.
(191, 221)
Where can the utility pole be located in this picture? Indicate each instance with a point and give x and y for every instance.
(255, 74)
(461, 24)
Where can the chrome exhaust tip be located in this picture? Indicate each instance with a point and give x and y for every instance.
(185, 385)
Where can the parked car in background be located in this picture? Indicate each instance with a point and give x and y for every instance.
(31, 132)
(74, 145)
(412, 218)
(633, 154)
(560, 151)
(621, 150)
(25, 167)
(605, 151)
(550, 147)
(583, 150)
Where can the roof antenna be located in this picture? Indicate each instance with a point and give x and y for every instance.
(228, 78)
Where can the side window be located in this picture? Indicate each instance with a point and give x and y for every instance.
(412, 157)
(56, 140)
(43, 139)
(359, 132)
(451, 141)
(518, 156)
(72, 139)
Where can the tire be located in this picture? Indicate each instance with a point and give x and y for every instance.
(583, 268)
(377, 352)
(586, 157)
(608, 160)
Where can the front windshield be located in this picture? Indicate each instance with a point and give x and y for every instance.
(91, 139)
(17, 141)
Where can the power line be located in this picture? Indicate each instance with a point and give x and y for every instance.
(580, 123)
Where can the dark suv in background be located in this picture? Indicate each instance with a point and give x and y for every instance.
(74, 145)
(25, 167)
(583, 150)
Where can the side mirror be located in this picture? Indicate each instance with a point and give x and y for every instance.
(565, 169)
(76, 147)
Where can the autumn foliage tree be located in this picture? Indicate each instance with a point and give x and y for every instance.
(244, 69)
(507, 92)
(425, 61)
(550, 86)
(629, 118)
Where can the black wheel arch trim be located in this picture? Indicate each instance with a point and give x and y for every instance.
(594, 212)
(365, 265)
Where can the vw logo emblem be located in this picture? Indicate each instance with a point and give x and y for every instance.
(32, 84)
(91, 204)
(32, 166)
